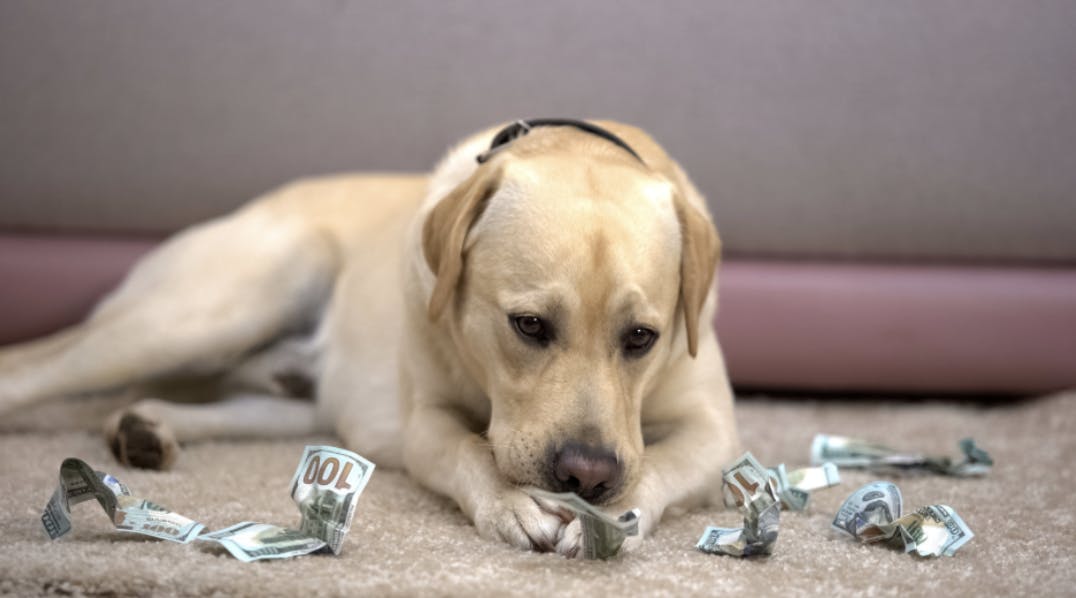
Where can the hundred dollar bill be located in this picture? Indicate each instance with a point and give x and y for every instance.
(934, 530)
(853, 452)
(747, 485)
(79, 482)
(249, 541)
(141, 516)
(877, 502)
(603, 534)
(722, 540)
(326, 487)
(873, 514)
(794, 487)
(812, 478)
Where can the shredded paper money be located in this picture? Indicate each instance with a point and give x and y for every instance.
(873, 514)
(794, 487)
(603, 534)
(750, 487)
(852, 452)
(326, 487)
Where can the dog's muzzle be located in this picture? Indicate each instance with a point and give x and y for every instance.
(594, 473)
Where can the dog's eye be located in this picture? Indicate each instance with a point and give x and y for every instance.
(638, 340)
(532, 328)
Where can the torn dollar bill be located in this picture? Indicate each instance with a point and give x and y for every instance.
(794, 487)
(79, 483)
(326, 487)
(875, 503)
(856, 453)
(249, 541)
(749, 486)
(603, 534)
(873, 514)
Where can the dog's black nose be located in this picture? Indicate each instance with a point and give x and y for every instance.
(592, 473)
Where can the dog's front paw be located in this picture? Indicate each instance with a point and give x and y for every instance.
(139, 438)
(570, 542)
(515, 517)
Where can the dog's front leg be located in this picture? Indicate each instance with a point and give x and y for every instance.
(446, 456)
(696, 436)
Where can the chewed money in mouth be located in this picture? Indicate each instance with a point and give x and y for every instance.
(326, 487)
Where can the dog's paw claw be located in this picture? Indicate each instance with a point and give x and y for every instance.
(515, 518)
(570, 540)
(141, 442)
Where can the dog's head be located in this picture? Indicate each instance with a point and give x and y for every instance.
(569, 273)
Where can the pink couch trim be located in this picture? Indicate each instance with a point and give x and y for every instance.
(902, 328)
(51, 281)
(810, 326)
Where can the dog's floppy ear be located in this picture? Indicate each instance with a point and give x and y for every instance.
(446, 228)
(699, 255)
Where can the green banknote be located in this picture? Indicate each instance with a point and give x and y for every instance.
(603, 534)
(875, 503)
(249, 541)
(140, 516)
(853, 452)
(873, 514)
(748, 485)
(326, 488)
(794, 487)
(79, 483)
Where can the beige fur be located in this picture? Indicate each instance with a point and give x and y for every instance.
(396, 295)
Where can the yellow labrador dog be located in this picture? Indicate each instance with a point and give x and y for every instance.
(539, 316)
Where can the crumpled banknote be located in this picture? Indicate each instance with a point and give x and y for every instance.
(856, 453)
(873, 514)
(79, 483)
(603, 534)
(326, 488)
(751, 488)
(794, 487)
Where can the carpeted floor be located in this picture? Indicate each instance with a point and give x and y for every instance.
(406, 541)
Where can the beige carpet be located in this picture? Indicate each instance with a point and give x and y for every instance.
(406, 541)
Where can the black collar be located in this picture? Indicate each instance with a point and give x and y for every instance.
(522, 127)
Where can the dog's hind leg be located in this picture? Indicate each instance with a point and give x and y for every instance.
(197, 304)
(147, 433)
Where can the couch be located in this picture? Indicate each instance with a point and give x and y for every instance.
(894, 183)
